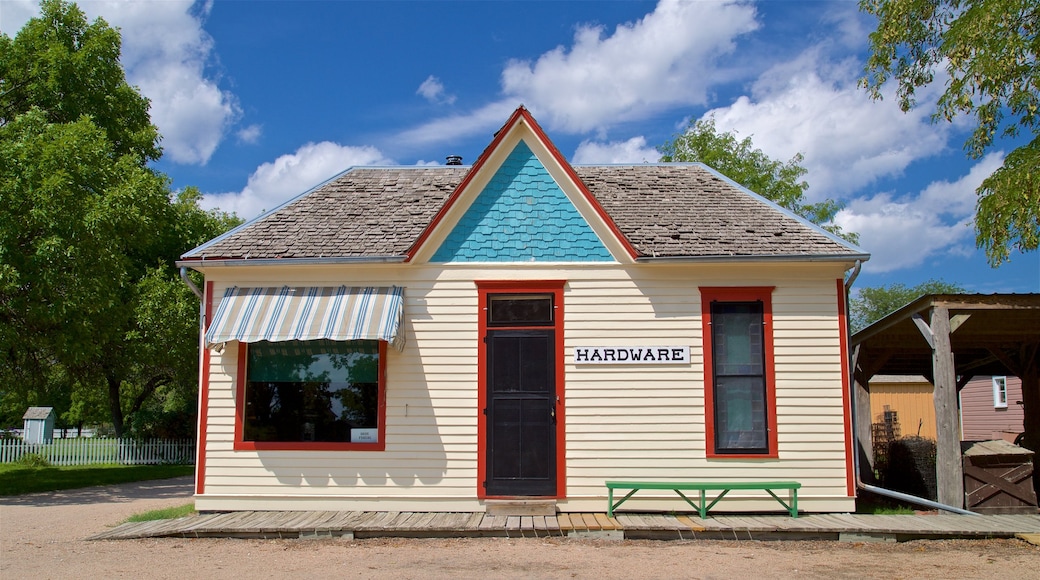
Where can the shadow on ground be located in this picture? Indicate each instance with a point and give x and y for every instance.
(157, 489)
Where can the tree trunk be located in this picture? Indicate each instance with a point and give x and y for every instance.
(114, 406)
(149, 388)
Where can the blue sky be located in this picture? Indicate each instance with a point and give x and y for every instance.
(259, 101)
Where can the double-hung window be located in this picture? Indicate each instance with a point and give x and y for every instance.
(740, 400)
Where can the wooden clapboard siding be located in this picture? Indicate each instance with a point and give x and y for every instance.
(911, 399)
(981, 420)
(621, 421)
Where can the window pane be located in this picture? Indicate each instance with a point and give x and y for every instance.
(738, 363)
(740, 414)
(737, 337)
(311, 391)
(520, 309)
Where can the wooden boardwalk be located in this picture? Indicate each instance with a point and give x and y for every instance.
(316, 524)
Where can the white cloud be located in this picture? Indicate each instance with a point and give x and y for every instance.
(432, 89)
(666, 59)
(276, 182)
(814, 107)
(250, 134)
(165, 54)
(447, 129)
(906, 232)
(633, 150)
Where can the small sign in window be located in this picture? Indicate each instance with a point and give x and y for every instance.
(364, 435)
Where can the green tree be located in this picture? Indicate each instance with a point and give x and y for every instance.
(986, 52)
(868, 305)
(740, 161)
(91, 307)
(68, 69)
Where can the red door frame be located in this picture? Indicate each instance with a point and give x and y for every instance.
(485, 288)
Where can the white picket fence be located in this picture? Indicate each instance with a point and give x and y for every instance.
(94, 451)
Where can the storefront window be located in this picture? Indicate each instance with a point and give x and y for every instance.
(318, 391)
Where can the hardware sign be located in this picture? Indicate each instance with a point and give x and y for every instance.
(640, 355)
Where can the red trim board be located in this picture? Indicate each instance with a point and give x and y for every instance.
(846, 395)
(204, 365)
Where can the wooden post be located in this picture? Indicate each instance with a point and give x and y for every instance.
(948, 468)
(864, 436)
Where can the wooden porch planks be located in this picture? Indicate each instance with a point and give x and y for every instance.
(552, 524)
(205, 522)
(564, 522)
(688, 522)
(294, 524)
(591, 523)
(488, 523)
(606, 523)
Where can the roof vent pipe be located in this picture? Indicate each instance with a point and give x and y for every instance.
(454, 160)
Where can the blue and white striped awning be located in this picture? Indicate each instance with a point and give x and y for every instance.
(309, 313)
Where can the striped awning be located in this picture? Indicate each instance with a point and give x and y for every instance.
(308, 313)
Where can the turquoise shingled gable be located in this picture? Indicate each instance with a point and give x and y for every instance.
(522, 215)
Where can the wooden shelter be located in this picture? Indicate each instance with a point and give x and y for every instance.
(950, 338)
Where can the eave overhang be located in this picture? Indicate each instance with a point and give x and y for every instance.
(758, 258)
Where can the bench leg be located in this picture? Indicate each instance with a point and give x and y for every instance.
(793, 507)
(611, 506)
(704, 513)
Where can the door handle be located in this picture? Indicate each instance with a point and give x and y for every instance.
(552, 413)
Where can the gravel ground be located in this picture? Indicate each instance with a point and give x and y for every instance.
(41, 536)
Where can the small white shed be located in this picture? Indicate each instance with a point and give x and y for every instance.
(39, 425)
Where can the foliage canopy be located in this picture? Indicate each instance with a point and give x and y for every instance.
(871, 304)
(94, 320)
(986, 52)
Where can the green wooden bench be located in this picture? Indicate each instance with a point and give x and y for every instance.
(703, 507)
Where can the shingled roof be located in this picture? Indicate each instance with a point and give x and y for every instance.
(664, 211)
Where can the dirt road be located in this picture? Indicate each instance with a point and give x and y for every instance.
(41, 536)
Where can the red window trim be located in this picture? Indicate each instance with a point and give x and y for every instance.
(242, 445)
(764, 294)
(554, 287)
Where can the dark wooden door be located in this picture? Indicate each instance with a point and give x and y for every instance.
(521, 413)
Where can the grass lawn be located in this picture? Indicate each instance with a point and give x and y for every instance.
(163, 514)
(869, 503)
(16, 479)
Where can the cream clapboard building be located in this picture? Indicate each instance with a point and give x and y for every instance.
(429, 338)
